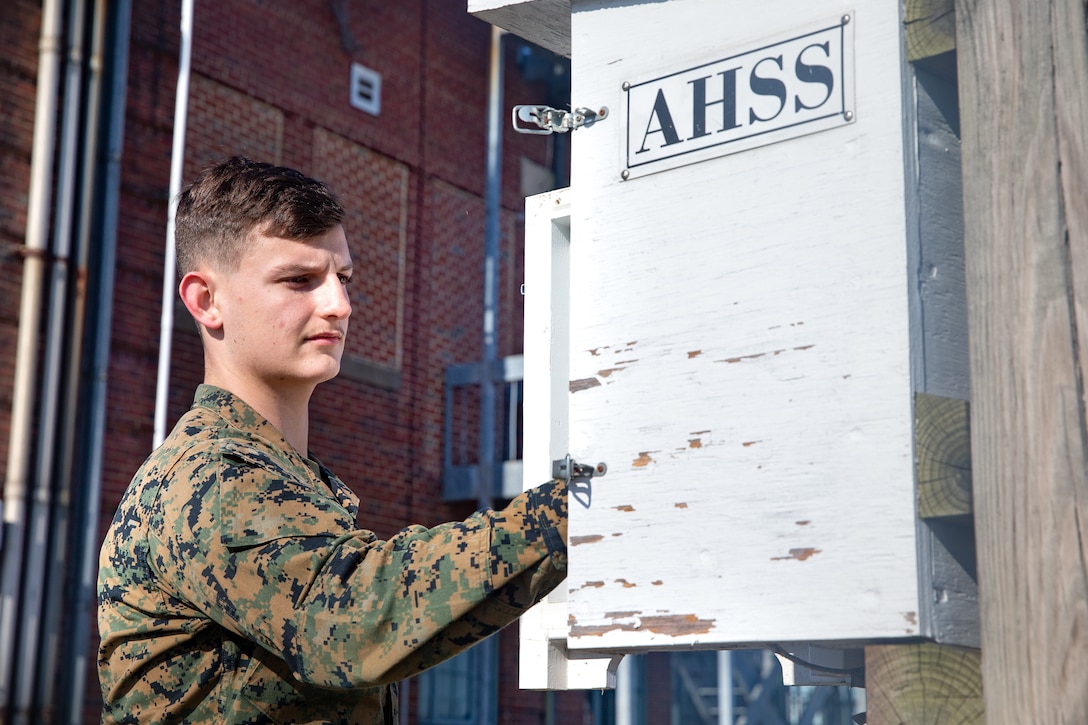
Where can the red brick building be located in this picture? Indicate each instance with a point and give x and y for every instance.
(83, 210)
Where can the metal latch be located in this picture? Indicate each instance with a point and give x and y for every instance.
(554, 120)
(567, 469)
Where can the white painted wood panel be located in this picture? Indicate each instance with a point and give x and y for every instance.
(739, 355)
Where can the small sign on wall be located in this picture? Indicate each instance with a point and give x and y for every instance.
(780, 89)
(366, 89)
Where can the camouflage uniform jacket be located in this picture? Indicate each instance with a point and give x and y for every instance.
(234, 586)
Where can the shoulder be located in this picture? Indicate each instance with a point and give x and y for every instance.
(181, 481)
(266, 494)
(173, 472)
(214, 478)
(204, 444)
(187, 461)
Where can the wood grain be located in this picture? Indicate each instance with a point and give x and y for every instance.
(943, 456)
(930, 27)
(922, 684)
(1023, 70)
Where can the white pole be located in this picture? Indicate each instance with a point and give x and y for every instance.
(42, 517)
(26, 350)
(169, 285)
(725, 687)
(626, 691)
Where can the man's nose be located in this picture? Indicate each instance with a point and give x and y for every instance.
(334, 298)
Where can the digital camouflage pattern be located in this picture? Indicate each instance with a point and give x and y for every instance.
(234, 586)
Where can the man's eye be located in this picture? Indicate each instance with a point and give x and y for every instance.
(344, 278)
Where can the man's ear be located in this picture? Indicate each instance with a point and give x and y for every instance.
(197, 291)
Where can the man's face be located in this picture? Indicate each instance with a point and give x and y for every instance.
(285, 310)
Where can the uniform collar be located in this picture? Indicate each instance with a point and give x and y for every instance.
(238, 413)
(241, 416)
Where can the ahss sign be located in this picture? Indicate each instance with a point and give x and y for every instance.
(776, 91)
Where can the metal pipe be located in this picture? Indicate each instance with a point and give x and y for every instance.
(492, 209)
(20, 441)
(53, 675)
(169, 284)
(91, 491)
(725, 687)
(40, 500)
(631, 690)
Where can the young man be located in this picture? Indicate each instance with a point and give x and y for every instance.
(234, 586)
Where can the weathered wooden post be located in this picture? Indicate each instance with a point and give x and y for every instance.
(1023, 71)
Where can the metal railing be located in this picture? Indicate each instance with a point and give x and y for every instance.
(461, 466)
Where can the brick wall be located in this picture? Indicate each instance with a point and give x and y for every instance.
(270, 80)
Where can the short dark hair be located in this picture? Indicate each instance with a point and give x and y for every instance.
(236, 196)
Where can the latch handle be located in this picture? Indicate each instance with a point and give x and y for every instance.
(550, 120)
(530, 115)
(567, 469)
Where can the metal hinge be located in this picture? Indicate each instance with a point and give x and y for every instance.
(554, 120)
(567, 469)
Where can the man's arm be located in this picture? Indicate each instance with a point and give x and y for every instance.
(278, 565)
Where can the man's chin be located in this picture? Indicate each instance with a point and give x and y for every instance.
(331, 373)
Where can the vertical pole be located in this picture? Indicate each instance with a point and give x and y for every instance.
(44, 514)
(493, 206)
(59, 653)
(17, 481)
(93, 452)
(177, 166)
(725, 687)
(630, 703)
(1023, 74)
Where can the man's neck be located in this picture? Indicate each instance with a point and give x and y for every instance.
(287, 410)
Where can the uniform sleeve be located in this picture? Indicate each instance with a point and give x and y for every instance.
(280, 563)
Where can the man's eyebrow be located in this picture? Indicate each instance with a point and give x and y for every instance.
(293, 268)
(299, 268)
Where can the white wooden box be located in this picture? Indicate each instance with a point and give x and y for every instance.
(738, 328)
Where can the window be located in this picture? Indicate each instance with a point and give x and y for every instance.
(461, 690)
